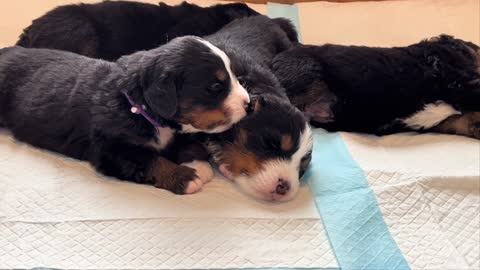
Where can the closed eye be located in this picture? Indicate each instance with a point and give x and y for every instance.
(216, 88)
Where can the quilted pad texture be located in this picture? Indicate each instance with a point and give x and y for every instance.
(58, 213)
(428, 190)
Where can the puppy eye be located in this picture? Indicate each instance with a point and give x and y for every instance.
(242, 81)
(216, 87)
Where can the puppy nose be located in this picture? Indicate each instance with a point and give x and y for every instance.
(282, 187)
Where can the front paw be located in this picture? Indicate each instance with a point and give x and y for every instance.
(203, 168)
(183, 180)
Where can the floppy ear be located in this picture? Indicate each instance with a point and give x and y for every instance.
(161, 96)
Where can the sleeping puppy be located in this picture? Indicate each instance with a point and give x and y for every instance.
(267, 152)
(111, 29)
(122, 117)
(433, 85)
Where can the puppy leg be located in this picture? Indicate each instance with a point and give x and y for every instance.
(467, 124)
(143, 165)
(194, 155)
(179, 179)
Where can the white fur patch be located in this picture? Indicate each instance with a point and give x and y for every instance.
(431, 115)
(236, 99)
(164, 137)
(204, 172)
(203, 168)
(263, 184)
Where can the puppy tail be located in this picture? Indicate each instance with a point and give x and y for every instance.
(287, 26)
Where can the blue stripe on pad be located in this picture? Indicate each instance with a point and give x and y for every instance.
(290, 12)
(349, 210)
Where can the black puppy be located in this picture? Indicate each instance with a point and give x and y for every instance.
(433, 85)
(122, 117)
(111, 29)
(267, 152)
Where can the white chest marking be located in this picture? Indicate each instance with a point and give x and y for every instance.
(164, 137)
(431, 115)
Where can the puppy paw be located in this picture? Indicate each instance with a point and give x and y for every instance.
(194, 186)
(178, 179)
(203, 170)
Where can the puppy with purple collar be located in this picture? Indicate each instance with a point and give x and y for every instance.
(124, 117)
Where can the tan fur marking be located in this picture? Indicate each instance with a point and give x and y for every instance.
(286, 143)
(221, 75)
(467, 124)
(240, 160)
(206, 119)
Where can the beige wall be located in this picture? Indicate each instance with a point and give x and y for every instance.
(386, 23)
(389, 23)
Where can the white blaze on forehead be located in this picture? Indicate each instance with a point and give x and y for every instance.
(431, 115)
(237, 88)
(234, 102)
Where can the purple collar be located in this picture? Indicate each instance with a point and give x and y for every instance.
(136, 109)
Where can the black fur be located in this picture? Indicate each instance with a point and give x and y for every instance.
(363, 89)
(110, 29)
(252, 43)
(76, 106)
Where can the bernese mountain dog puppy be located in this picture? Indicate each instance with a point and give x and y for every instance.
(431, 86)
(122, 116)
(267, 152)
(111, 29)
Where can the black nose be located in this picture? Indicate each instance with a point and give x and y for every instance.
(282, 187)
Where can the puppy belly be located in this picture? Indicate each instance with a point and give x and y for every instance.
(431, 115)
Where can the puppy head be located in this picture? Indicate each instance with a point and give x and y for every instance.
(302, 78)
(267, 152)
(189, 81)
(459, 51)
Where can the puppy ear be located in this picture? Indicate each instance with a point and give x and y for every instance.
(161, 96)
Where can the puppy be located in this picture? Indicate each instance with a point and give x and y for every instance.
(267, 152)
(111, 29)
(433, 85)
(122, 117)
